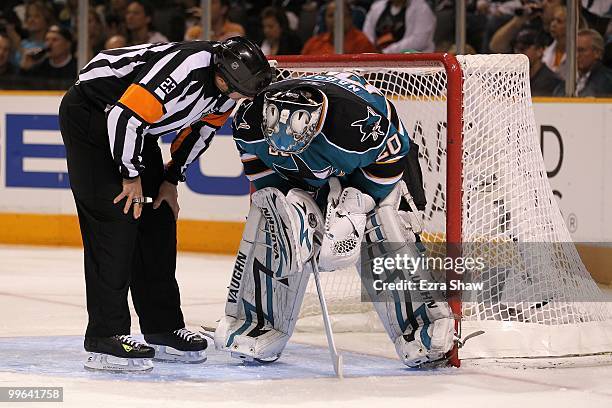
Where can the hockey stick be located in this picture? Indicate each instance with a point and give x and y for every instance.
(335, 356)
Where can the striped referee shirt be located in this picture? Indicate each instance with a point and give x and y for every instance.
(152, 89)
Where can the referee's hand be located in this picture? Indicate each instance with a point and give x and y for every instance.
(168, 193)
(132, 188)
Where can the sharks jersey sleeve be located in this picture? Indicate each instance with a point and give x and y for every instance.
(362, 141)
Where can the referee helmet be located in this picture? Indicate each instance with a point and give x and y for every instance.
(243, 66)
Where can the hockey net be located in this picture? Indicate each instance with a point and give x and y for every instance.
(486, 187)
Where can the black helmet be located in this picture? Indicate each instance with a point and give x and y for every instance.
(243, 66)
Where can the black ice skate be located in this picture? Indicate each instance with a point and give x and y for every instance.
(180, 345)
(118, 353)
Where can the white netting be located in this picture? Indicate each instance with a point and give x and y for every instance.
(535, 277)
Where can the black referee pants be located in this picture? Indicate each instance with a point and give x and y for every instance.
(120, 253)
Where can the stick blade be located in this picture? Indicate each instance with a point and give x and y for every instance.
(339, 366)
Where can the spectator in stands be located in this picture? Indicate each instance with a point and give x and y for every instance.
(477, 14)
(598, 15)
(10, 26)
(97, 34)
(191, 11)
(38, 18)
(607, 55)
(554, 55)
(68, 15)
(359, 10)
(497, 13)
(59, 63)
(170, 19)
(279, 39)
(115, 17)
(542, 80)
(138, 16)
(536, 15)
(222, 28)
(116, 41)
(7, 68)
(401, 25)
(594, 79)
(355, 41)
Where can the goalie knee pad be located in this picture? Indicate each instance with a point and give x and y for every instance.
(345, 222)
(270, 274)
(418, 321)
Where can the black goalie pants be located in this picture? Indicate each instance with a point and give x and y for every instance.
(121, 253)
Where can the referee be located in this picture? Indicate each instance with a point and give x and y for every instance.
(110, 120)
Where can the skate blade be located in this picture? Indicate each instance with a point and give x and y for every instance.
(105, 362)
(168, 354)
(432, 365)
(250, 360)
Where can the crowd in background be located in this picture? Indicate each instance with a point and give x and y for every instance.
(38, 37)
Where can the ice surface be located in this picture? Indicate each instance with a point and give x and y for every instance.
(63, 356)
(43, 316)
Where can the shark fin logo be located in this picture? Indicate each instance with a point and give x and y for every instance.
(243, 123)
(369, 126)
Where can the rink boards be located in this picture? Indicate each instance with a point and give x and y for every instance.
(36, 204)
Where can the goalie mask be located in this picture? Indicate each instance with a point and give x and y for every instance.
(292, 118)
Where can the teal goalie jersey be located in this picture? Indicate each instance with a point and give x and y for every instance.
(362, 140)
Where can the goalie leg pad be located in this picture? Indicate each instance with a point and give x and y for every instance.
(428, 343)
(420, 324)
(270, 274)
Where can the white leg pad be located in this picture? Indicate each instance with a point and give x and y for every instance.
(420, 324)
(269, 343)
(270, 274)
(427, 343)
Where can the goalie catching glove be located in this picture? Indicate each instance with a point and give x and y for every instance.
(345, 223)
